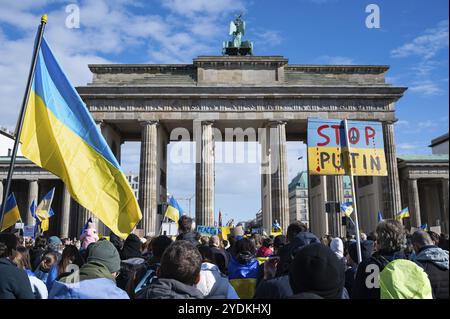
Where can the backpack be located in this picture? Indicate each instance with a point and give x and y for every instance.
(404, 279)
(131, 271)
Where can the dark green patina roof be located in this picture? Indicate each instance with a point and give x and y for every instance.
(301, 181)
(423, 157)
(19, 159)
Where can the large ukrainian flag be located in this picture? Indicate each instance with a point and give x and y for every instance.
(60, 136)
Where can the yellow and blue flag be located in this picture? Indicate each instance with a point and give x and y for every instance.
(43, 210)
(60, 136)
(174, 210)
(347, 208)
(12, 214)
(404, 213)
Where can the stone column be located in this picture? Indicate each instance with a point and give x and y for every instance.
(279, 173)
(204, 174)
(65, 213)
(414, 203)
(266, 186)
(33, 189)
(148, 174)
(392, 194)
(335, 193)
(445, 207)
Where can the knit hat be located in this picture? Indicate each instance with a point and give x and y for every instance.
(316, 269)
(366, 250)
(53, 240)
(105, 253)
(337, 247)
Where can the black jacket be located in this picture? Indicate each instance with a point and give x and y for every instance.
(14, 282)
(275, 288)
(221, 259)
(191, 237)
(434, 261)
(379, 259)
(287, 253)
(163, 288)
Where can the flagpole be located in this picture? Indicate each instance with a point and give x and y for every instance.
(36, 49)
(355, 207)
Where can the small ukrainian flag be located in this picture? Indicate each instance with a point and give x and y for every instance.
(347, 208)
(12, 214)
(174, 210)
(404, 213)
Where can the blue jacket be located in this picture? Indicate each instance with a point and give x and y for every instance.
(98, 288)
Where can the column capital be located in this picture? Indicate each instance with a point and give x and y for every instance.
(276, 123)
(144, 123)
(388, 122)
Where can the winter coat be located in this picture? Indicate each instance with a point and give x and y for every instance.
(14, 282)
(434, 261)
(287, 252)
(221, 259)
(163, 288)
(213, 284)
(378, 259)
(275, 288)
(92, 281)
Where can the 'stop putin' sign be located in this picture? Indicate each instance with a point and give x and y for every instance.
(328, 151)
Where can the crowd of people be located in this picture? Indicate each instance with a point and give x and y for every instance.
(299, 265)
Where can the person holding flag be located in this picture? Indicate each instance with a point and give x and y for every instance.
(12, 214)
(58, 134)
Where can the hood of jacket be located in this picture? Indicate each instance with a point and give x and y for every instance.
(212, 284)
(163, 288)
(435, 255)
(90, 270)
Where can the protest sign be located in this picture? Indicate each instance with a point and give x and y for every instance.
(28, 231)
(207, 230)
(328, 151)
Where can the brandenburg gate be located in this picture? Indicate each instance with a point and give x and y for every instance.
(161, 103)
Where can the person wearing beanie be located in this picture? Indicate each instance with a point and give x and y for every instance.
(96, 279)
(316, 273)
(352, 261)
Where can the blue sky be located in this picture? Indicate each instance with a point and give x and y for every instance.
(413, 40)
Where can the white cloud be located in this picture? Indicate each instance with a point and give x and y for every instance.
(427, 45)
(426, 87)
